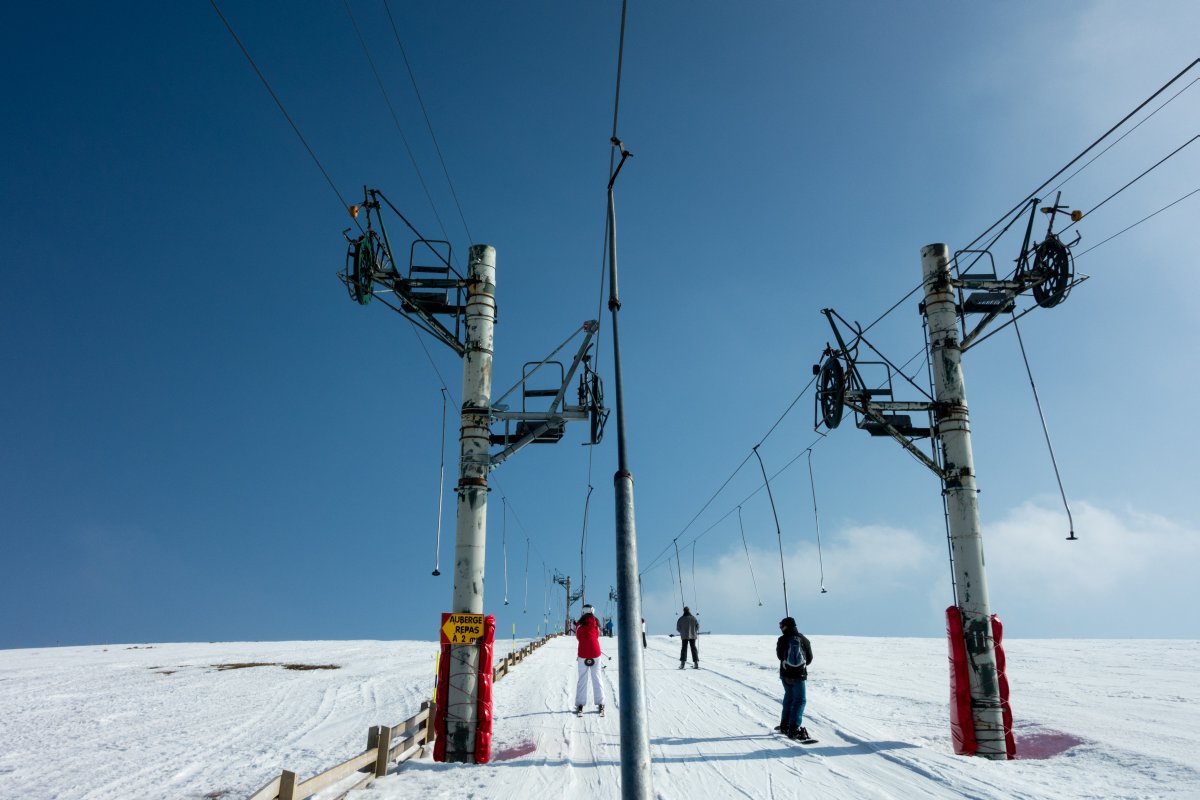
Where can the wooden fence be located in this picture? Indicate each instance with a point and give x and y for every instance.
(386, 744)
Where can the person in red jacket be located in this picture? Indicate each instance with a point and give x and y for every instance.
(587, 631)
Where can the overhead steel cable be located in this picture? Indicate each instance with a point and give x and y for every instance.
(395, 119)
(659, 560)
(702, 508)
(787, 410)
(738, 469)
(1013, 214)
(428, 123)
(614, 148)
(893, 308)
(1157, 164)
(286, 115)
(1120, 138)
(1086, 150)
(1139, 222)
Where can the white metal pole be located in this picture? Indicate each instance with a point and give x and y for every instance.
(470, 533)
(966, 539)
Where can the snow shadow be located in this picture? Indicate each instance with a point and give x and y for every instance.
(846, 749)
(533, 714)
(511, 756)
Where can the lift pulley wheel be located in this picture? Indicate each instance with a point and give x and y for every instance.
(361, 263)
(591, 396)
(831, 391)
(1052, 262)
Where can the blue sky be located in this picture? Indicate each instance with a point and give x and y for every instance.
(204, 439)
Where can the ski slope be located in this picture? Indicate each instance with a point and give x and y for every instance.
(1094, 719)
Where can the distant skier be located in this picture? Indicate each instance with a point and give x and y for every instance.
(587, 631)
(643, 633)
(689, 628)
(794, 652)
(608, 627)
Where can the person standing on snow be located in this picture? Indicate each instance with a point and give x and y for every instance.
(794, 652)
(689, 628)
(587, 632)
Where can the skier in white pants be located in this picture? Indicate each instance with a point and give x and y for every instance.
(587, 632)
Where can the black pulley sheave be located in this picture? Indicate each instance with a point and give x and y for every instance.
(831, 391)
(591, 397)
(359, 258)
(1052, 263)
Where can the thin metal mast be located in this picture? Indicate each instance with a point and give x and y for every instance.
(635, 729)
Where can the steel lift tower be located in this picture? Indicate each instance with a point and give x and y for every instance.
(432, 291)
(1045, 270)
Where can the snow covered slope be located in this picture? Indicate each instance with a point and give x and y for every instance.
(1094, 719)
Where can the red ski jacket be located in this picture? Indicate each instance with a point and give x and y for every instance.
(587, 631)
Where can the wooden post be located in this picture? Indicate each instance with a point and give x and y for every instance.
(287, 785)
(384, 743)
(430, 728)
(372, 737)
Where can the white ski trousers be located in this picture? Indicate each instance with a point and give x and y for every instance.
(581, 685)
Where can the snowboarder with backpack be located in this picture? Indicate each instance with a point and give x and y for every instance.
(587, 632)
(794, 652)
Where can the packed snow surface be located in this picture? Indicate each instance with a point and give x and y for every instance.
(1104, 719)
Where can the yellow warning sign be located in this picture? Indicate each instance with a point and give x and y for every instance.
(461, 628)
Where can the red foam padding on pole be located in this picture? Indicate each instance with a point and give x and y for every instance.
(1010, 741)
(443, 696)
(962, 726)
(483, 729)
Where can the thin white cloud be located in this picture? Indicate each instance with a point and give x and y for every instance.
(1126, 551)
(1126, 576)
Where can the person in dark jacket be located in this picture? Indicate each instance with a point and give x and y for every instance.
(587, 632)
(794, 678)
(689, 628)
